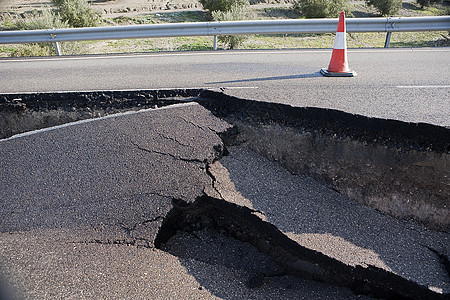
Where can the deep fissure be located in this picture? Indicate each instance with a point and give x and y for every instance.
(333, 141)
(240, 223)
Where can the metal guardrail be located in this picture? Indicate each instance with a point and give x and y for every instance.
(389, 25)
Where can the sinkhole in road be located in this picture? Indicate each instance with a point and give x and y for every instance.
(398, 168)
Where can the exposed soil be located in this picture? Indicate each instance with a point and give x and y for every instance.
(395, 167)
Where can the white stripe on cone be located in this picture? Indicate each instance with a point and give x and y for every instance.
(340, 41)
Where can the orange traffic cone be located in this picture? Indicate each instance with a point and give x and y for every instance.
(338, 66)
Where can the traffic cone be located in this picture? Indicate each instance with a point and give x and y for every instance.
(338, 66)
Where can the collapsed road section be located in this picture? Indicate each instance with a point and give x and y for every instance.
(346, 200)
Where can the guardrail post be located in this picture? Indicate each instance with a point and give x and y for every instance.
(57, 45)
(388, 40)
(215, 43)
(58, 49)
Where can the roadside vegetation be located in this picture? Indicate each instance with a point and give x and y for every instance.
(236, 12)
(321, 8)
(79, 13)
(76, 13)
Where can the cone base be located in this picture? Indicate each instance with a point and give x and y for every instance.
(325, 73)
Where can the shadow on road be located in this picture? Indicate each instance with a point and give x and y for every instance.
(312, 75)
(231, 269)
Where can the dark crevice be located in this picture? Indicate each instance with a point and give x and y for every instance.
(219, 152)
(240, 223)
(192, 233)
(328, 121)
(96, 100)
(132, 239)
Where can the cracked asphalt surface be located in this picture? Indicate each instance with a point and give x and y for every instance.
(111, 179)
(81, 207)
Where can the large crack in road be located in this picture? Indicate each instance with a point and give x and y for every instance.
(331, 157)
(240, 223)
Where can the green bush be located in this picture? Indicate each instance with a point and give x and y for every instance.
(77, 13)
(321, 8)
(236, 13)
(49, 19)
(386, 7)
(221, 5)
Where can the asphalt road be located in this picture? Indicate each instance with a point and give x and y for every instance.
(81, 204)
(405, 84)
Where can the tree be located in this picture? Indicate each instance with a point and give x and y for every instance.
(386, 7)
(321, 8)
(222, 5)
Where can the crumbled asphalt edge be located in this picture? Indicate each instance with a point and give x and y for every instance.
(329, 122)
(87, 104)
(241, 222)
(93, 100)
(392, 133)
